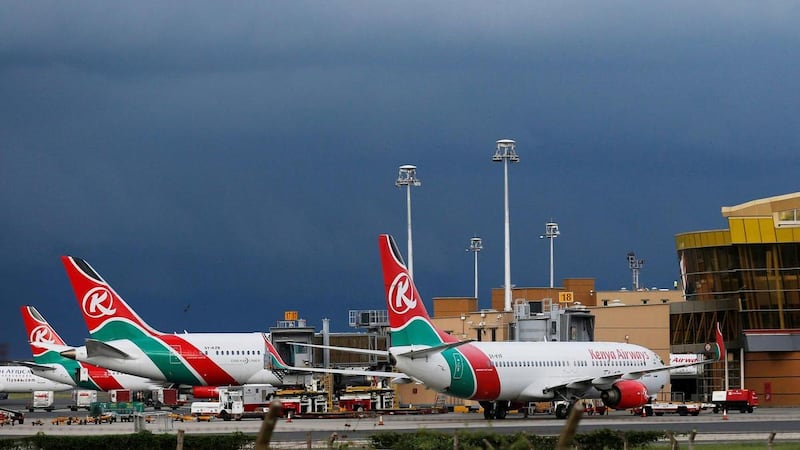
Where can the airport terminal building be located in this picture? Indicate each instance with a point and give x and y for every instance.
(747, 277)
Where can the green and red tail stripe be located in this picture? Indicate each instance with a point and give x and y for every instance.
(411, 326)
(40, 331)
(109, 318)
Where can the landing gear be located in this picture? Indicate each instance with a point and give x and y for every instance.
(495, 410)
(488, 410)
(500, 410)
(563, 409)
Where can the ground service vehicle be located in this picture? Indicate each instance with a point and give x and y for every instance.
(42, 400)
(744, 400)
(119, 395)
(228, 406)
(681, 409)
(9, 416)
(301, 401)
(82, 398)
(366, 398)
(165, 398)
(116, 411)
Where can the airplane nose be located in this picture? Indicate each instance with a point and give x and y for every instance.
(69, 353)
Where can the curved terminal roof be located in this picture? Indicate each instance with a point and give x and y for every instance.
(767, 220)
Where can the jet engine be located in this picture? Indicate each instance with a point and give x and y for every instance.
(205, 391)
(625, 394)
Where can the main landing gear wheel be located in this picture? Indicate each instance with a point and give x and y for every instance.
(488, 410)
(562, 410)
(500, 410)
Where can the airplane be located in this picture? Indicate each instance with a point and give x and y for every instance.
(506, 375)
(121, 340)
(16, 379)
(51, 365)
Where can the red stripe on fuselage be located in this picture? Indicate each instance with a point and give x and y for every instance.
(487, 381)
(205, 367)
(102, 378)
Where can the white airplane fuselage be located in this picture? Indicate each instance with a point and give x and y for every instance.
(526, 371)
(197, 359)
(15, 379)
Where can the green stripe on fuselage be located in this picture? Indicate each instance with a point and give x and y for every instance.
(172, 367)
(420, 332)
(70, 365)
(462, 382)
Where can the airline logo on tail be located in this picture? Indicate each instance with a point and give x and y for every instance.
(39, 331)
(98, 303)
(42, 333)
(106, 314)
(403, 293)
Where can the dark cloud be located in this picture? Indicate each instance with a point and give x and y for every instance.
(241, 158)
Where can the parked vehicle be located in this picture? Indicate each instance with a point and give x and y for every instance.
(82, 398)
(9, 416)
(42, 400)
(743, 400)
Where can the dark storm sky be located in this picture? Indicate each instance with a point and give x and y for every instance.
(240, 157)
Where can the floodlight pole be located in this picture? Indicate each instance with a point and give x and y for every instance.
(635, 265)
(505, 151)
(475, 246)
(551, 232)
(408, 178)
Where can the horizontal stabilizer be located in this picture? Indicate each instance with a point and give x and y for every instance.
(435, 349)
(364, 351)
(51, 347)
(95, 348)
(34, 366)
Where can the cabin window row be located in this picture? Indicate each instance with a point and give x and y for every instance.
(236, 352)
(603, 363)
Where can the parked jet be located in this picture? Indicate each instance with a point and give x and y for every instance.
(120, 340)
(15, 379)
(51, 365)
(500, 375)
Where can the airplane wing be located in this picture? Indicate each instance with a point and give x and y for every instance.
(365, 351)
(604, 382)
(435, 349)
(397, 377)
(410, 354)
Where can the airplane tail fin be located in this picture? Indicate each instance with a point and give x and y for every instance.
(721, 352)
(107, 316)
(39, 331)
(408, 319)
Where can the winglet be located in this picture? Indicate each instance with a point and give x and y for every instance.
(720, 344)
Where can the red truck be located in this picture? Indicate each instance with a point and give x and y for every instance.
(744, 400)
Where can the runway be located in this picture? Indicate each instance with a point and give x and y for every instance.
(709, 427)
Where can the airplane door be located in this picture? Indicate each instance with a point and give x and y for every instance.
(458, 365)
(173, 355)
